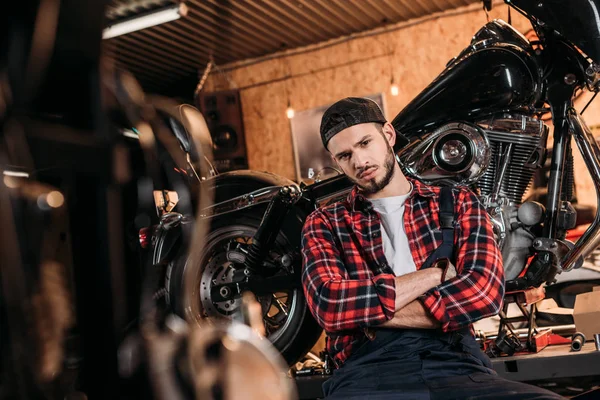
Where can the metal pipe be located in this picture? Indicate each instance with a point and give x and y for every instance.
(522, 332)
(562, 137)
(591, 155)
(577, 341)
(259, 196)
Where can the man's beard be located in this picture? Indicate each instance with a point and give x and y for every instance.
(373, 186)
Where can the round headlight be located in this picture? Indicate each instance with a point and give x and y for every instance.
(453, 152)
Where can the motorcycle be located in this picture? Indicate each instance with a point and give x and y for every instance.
(478, 124)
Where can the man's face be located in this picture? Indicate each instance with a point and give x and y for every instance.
(364, 152)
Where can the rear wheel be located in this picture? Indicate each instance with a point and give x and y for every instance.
(287, 320)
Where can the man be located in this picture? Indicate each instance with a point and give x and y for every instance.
(398, 321)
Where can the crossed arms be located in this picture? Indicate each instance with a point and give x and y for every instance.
(408, 311)
(416, 300)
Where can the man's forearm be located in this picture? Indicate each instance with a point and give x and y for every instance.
(411, 286)
(414, 315)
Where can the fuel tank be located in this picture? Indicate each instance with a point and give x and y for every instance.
(498, 72)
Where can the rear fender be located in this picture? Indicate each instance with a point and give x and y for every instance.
(228, 185)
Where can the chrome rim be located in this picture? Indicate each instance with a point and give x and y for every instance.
(225, 245)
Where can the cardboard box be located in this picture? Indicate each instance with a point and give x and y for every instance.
(586, 313)
(549, 306)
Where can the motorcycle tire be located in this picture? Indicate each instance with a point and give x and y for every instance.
(296, 335)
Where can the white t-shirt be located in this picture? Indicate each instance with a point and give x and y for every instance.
(395, 242)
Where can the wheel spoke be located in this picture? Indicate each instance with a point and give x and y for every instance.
(280, 305)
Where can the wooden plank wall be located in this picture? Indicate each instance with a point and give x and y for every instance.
(415, 53)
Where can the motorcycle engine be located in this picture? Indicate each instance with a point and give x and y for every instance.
(497, 157)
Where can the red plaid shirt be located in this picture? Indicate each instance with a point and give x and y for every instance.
(349, 285)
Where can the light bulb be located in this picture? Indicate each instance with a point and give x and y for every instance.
(55, 199)
(290, 112)
(394, 89)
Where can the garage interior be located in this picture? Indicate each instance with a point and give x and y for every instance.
(86, 191)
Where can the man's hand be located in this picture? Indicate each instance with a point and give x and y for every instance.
(413, 316)
(448, 269)
(409, 312)
(411, 286)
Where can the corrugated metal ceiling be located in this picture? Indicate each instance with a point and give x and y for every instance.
(168, 57)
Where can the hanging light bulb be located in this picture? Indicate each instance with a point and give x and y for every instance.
(394, 89)
(290, 111)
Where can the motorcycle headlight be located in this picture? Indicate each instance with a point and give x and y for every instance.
(453, 152)
(457, 152)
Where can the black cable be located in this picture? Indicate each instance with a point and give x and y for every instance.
(589, 102)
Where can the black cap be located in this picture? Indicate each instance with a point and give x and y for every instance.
(353, 111)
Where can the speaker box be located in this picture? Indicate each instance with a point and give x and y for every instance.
(223, 114)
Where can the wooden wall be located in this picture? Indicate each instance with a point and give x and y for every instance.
(415, 53)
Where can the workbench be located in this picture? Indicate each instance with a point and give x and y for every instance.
(557, 361)
(553, 362)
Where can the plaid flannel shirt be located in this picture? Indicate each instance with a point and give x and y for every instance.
(349, 285)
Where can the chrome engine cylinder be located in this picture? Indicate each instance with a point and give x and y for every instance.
(528, 138)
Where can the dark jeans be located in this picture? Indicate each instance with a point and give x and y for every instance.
(415, 364)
